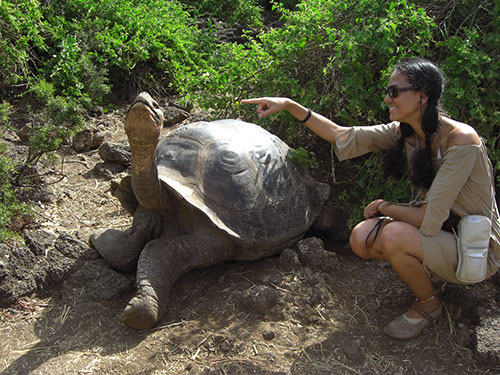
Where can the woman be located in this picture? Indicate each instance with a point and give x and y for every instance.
(444, 157)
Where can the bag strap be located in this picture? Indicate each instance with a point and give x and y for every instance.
(376, 228)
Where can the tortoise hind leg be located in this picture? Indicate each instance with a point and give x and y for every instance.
(332, 224)
(161, 263)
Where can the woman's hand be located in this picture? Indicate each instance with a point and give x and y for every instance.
(268, 106)
(372, 209)
(320, 125)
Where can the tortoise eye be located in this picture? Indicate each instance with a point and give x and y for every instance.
(262, 154)
(229, 157)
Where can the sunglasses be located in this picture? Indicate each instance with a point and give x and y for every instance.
(393, 91)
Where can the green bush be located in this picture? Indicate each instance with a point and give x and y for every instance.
(58, 120)
(20, 39)
(97, 44)
(334, 56)
(11, 209)
(244, 12)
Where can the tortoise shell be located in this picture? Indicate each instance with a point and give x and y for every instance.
(241, 177)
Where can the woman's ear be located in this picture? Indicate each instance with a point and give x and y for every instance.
(424, 98)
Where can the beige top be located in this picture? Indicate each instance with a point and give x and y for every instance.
(463, 181)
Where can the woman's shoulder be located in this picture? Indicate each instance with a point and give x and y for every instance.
(459, 134)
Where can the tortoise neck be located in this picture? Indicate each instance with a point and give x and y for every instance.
(145, 182)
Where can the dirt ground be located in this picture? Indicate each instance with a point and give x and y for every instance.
(261, 317)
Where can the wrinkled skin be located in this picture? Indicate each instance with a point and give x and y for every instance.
(170, 236)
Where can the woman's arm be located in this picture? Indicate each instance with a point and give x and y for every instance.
(320, 125)
(409, 214)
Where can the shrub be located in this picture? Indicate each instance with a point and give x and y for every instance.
(244, 12)
(334, 57)
(11, 209)
(58, 120)
(113, 42)
(20, 38)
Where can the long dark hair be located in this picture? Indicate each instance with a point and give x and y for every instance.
(426, 76)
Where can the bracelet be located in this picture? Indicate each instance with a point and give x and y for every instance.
(308, 116)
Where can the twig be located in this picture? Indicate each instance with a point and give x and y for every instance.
(345, 366)
(362, 312)
(319, 312)
(64, 314)
(167, 326)
(307, 356)
(450, 322)
(245, 278)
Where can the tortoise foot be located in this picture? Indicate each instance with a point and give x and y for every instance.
(116, 248)
(142, 312)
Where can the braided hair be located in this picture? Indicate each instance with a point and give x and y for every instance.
(425, 76)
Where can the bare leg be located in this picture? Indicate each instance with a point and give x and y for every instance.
(358, 237)
(400, 244)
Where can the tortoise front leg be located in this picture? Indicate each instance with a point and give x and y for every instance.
(121, 249)
(161, 263)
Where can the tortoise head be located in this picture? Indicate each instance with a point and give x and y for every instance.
(143, 125)
(144, 119)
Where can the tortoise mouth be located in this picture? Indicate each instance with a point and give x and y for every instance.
(148, 104)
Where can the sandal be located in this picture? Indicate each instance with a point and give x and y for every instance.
(401, 328)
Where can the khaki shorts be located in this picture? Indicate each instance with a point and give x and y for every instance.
(441, 256)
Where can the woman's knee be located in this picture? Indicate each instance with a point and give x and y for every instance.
(357, 240)
(398, 237)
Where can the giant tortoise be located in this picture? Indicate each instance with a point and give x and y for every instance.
(210, 192)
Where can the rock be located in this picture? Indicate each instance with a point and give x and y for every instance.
(17, 153)
(312, 254)
(17, 265)
(3, 270)
(88, 139)
(70, 247)
(320, 294)
(200, 116)
(97, 111)
(39, 240)
(11, 136)
(268, 335)
(173, 115)
(112, 152)
(260, 299)
(289, 260)
(109, 170)
(67, 255)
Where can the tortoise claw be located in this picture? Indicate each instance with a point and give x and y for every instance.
(142, 312)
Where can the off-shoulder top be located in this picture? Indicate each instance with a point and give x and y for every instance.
(463, 183)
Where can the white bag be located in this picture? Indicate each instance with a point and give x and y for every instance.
(473, 240)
